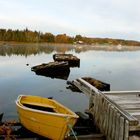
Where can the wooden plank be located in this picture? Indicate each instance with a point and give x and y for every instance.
(96, 105)
(99, 113)
(132, 120)
(91, 102)
(131, 97)
(104, 109)
(130, 107)
(121, 93)
(126, 130)
(134, 128)
(101, 117)
(107, 119)
(114, 124)
(110, 122)
(122, 127)
(117, 126)
(88, 137)
(104, 114)
(96, 108)
(137, 116)
(78, 85)
(122, 96)
(135, 113)
(127, 101)
(132, 110)
(123, 99)
(87, 85)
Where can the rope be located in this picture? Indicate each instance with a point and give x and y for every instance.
(70, 127)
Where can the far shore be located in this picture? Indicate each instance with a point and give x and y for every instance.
(78, 47)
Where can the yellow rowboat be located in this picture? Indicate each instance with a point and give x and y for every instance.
(45, 117)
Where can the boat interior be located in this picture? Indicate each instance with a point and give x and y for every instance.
(44, 104)
(42, 108)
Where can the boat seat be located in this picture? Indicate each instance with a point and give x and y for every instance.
(39, 104)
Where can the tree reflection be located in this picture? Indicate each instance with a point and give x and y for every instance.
(32, 49)
(38, 48)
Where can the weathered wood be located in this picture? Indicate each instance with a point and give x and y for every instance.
(128, 102)
(132, 110)
(121, 130)
(121, 93)
(97, 83)
(134, 128)
(97, 111)
(88, 137)
(126, 115)
(116, 113)
(103, 114)
(114, 124)
(132, 120)
(126, 130)
(91, 102)
(107, 125)
(130, 106)
(117, 126)
(58, 70)
(135, 114)
(109, 122)
(101, 108)
(106, 120)
(70, 58)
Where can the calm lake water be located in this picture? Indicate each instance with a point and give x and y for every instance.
(119, 68)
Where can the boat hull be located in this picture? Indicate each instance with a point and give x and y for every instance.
(47, 124)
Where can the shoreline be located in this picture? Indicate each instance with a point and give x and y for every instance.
(77, 47)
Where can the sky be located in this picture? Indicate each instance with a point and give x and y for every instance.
(91, 18)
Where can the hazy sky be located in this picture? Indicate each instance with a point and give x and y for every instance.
(93, 18)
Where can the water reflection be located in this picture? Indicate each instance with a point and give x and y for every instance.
(120, 69)
(34, 49)
(57, 74)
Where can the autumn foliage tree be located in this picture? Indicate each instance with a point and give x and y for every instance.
(62, 38)
(48, 37)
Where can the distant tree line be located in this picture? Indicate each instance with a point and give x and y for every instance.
(33, 36)
(27, 35)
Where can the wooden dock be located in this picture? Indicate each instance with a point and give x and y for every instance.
(116, 113)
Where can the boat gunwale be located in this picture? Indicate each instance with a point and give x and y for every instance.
(20, 105)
